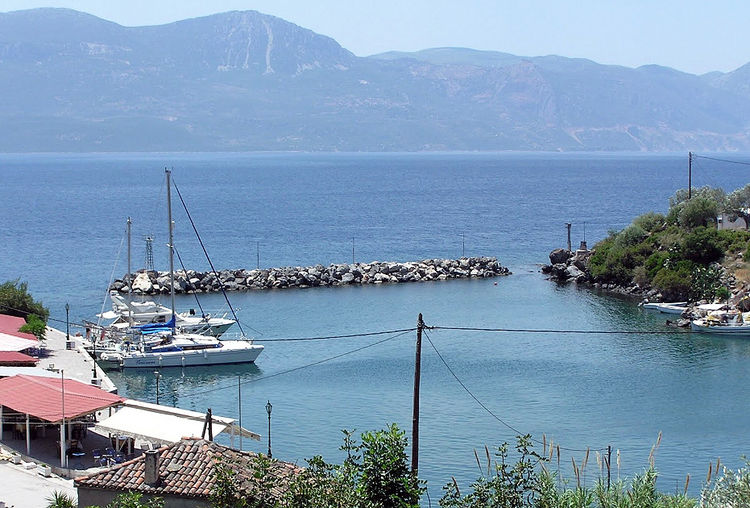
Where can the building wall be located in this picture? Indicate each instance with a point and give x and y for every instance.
(723, 223)
(101, 498)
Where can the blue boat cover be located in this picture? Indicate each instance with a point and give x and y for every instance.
(150, 328)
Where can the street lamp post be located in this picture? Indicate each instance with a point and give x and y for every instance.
(157, 374)
(269, 407)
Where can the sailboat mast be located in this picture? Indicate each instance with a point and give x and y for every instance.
(171, 238)
(130, 280)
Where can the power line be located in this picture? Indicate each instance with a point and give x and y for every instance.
(484, 406)
(366, 334)
(720, 160)
(312, 364)
(542, 330)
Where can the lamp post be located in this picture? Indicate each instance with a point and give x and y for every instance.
(269, 407)
(67, 321)
(157, 374)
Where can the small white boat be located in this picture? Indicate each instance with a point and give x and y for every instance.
(667, 307)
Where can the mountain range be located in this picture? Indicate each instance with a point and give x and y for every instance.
(245, 81)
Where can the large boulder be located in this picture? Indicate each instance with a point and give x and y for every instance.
(558, 256)
(142, 283)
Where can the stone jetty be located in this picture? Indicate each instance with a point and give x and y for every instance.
(190, 281)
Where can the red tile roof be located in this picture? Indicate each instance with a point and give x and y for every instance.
(14, 359)
(11, 324)
(42, 397)
(186, 470)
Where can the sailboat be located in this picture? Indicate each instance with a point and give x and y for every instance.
(166, 347)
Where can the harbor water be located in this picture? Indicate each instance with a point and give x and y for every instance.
(63, 231)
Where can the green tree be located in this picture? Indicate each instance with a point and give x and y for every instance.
(386, 479)
(715, 194)
(35, 326)
(737, 205)
(15, 300)
(374, 474)
(697, 212)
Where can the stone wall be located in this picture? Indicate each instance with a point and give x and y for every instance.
(377, 272)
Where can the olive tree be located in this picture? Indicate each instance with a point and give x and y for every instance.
(737, 205)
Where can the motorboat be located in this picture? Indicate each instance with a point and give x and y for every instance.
(667, 307)
(737, 325)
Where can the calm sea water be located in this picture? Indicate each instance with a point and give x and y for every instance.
(63, 222)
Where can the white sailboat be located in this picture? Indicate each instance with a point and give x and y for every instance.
(127, 312)
(168, 348)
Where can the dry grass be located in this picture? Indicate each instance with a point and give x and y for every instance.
(743, 274)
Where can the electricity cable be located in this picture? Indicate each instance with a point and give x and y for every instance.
(484, 406)
(233, 386)
(721, 160)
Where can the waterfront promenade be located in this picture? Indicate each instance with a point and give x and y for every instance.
(74, 363)
(25, 487)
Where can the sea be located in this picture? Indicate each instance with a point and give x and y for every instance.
(63, 222)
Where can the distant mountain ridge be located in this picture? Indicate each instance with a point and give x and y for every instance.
(244, 81)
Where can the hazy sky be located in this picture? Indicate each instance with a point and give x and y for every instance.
(695, 36)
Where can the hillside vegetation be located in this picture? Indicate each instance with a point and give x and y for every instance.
(681, 255)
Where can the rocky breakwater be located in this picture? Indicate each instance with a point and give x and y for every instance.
(190, 281)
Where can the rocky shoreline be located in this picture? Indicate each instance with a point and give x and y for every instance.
(566, 266)
(190, 281)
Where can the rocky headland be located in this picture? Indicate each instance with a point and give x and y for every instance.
(376, 272)
(566, 266)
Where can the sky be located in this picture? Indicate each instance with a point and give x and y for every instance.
(695, 36)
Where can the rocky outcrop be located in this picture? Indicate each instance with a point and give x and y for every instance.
(152, 282)
(567, 266)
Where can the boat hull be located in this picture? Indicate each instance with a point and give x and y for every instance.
(231, 352)
(721, 329)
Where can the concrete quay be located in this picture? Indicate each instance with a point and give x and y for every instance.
(74, 363)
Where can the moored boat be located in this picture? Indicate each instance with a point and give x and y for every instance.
(161, 345)
(667, 307)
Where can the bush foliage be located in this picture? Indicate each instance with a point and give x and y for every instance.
(673, 253)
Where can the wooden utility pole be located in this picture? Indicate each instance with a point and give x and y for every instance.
(690, 175)
(415, 414)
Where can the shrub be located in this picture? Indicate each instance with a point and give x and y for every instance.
(702, 246)
(655, 262)
(630, 236)
(650, 222)
(706, 283)
(673, 283)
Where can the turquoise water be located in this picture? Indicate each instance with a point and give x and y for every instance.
(63, 223)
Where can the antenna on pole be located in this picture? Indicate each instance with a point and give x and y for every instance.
(690, 175)
(149, 263)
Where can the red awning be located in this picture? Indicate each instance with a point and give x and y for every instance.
(14, 358)
(11, 324)
(42, 397)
